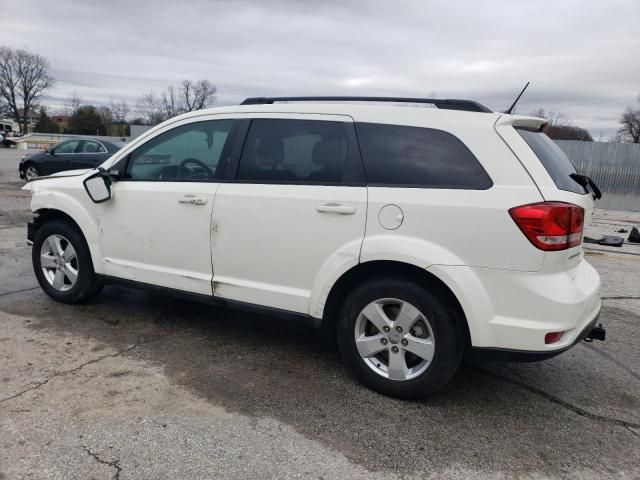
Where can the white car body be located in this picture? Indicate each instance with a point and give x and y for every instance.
(273, 245)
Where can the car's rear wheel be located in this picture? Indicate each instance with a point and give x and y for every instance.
(31, 172)
(400, 338)
(62, 263)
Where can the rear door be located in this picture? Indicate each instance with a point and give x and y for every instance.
(291, 211)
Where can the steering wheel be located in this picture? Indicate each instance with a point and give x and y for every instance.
(201, 170)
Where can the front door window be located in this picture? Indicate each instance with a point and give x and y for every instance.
(186, 153)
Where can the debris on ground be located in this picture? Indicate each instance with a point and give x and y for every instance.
(607, 240)
(634, 236)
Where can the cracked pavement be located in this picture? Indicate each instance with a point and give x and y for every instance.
(137, 385)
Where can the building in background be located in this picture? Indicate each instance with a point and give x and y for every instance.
(61, 120)
(8, 125)
(137, 130)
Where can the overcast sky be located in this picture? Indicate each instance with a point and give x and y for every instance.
(582, 57)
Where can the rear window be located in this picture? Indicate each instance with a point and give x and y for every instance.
(418, 157)
(554, 160)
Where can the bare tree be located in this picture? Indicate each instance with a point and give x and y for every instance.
(73, 103)
(204, 94)
(174, 101)
(5, 111)
(630, 129)
(107, 119)
(171, 104)
(119, 110)
(24, 78)
(560, 127)
(149, 107)
(553, 118)
(188, 95)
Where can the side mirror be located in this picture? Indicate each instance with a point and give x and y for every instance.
(98, 186)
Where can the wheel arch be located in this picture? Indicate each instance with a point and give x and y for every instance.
(30, 163)
(86, 228)
(367, 270)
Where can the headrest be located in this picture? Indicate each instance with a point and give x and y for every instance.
(328, 151)
(270, 150)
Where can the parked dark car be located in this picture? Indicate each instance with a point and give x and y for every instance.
(68, 155)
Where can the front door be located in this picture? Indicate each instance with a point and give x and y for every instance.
(59, 158)
(157, 227)
(294, 211)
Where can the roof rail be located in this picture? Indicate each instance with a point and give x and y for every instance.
(446, 103)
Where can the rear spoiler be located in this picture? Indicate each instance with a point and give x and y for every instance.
(533, 123)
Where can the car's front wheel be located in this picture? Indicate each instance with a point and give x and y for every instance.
(62, 263)
(400, 338)
(31, 172)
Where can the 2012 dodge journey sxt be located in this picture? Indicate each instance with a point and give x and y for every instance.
(413, 234)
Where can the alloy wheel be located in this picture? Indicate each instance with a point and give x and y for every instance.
(59, 262)
(394, 339)
(30, 173)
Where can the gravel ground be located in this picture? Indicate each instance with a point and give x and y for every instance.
(136, 385)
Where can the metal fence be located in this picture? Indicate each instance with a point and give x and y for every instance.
(615, 167)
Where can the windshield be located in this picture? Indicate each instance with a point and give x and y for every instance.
(554, 160)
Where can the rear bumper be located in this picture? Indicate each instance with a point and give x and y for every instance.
(513, 311)
(485, 354)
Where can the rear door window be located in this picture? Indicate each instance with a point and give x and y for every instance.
(418, 157)
(553, 159)
(300, 152)
(89, 146)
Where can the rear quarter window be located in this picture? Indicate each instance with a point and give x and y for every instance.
(403, 156)
(553, 159)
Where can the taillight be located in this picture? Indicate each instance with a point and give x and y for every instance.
(550, 226)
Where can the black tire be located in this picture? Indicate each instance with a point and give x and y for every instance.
(33, 166)
(447, 327)
(87, 284)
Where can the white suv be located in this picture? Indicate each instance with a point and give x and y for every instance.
(415, 234)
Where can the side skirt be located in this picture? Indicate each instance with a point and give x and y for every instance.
(214, 301)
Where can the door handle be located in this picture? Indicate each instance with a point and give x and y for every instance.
(336, 208)
(192, 200)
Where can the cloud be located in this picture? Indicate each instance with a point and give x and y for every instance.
(580, 56)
